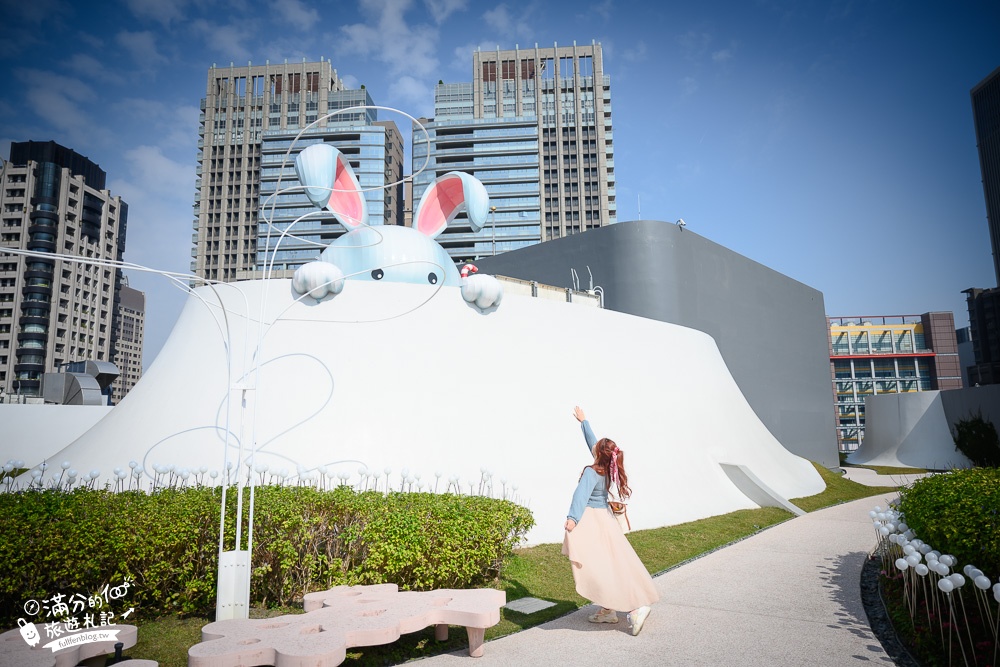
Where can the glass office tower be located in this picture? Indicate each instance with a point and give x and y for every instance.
(534, 125)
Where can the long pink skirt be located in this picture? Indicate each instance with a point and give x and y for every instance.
(605, 567)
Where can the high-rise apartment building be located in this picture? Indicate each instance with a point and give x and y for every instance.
(534, 125)
(984, 331)
(893, 354)
(54, 311)
(248, 111)
(986, 118)
(130, 329)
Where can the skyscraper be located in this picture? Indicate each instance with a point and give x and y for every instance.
(984, 304)
(250, 116)
(53, 311)
(534, 125)
(130, 327)
(986, 117)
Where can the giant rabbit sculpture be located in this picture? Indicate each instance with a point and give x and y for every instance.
(389, 252)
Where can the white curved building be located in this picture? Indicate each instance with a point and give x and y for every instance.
(410, 376)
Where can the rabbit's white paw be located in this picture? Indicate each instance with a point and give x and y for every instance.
(481, 290)
(318, 279)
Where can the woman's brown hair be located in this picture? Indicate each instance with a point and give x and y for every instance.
(609, 462)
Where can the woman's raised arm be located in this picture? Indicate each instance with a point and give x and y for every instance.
(588, 433)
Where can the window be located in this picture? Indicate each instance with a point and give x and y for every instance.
(566, 67)
(489, 71)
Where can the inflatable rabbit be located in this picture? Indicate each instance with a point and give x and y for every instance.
(389, 252)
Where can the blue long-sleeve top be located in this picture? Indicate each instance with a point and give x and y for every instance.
(592, 490)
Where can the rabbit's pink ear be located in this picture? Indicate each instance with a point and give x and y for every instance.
(445, 198)
(330, 183)
(347, 202)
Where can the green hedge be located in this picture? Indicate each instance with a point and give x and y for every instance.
(977, 439)
(958, 513)
(304, 540)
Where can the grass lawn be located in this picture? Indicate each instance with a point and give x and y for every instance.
(540, 571)
(889, 470)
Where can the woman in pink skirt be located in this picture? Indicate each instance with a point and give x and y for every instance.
(605, 567)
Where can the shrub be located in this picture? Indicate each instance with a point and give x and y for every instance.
(958, 513)
(977, 439)
(167, 542)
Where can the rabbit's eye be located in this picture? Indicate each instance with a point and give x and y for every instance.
(378, 274)
(432, 278)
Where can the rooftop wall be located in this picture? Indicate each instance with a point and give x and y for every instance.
(770, 329)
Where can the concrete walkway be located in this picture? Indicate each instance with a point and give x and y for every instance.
(872, 478)
(789, 596)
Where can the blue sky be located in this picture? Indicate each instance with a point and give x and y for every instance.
(830, 141)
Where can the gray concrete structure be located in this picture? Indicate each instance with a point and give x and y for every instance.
(916, 430)
(965, 403)
(771, 330)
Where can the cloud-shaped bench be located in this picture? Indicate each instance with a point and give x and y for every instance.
(344, 617)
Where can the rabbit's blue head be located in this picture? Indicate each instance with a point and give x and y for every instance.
(387, 252)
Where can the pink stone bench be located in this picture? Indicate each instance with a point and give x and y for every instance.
(343, 617)
(15, 651)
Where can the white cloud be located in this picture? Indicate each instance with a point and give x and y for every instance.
(605, 9)
(60, 100)
(350, 81)
(722, 55)
(415, 95)
(91, 40)
(296, 14)
(387, 37)
(161, 11)
(694, 44)
(508, 27)
(462, 58)
(153, 173)
(141, 46)
(635, 53)
(36, 11)
(159, 194)
(442, 9)
(688, 86)
(499, 19)
(173, 127)
(92, 68)
(6, 109)
(235, 43)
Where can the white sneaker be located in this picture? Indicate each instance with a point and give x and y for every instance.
(604, 616)
(638, 618)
